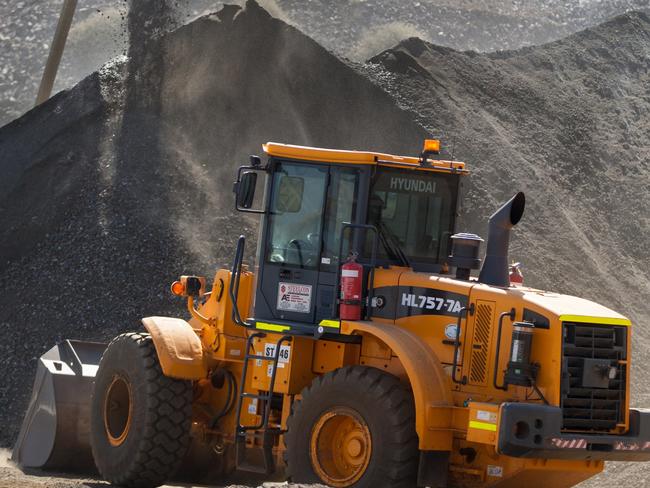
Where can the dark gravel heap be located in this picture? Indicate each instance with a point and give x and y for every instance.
(354, 28)
(26, 31)
(113, 189)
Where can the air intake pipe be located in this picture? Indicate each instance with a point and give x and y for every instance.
(495, 266)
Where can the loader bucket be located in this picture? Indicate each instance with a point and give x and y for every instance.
(55, 433)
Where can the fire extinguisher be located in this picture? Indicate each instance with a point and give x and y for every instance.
(351, 284)
(516, 277)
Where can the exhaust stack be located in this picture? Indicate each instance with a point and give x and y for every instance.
(495, 267)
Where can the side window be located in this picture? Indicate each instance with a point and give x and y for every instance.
(296, 215)
(414, 213)
(344, 184)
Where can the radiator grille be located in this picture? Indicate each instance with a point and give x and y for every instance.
(588, 408)
(481, 343)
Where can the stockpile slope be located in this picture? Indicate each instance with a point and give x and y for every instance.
(114, 188)
(354, 28)
(358, 27)
(98, 33)
(566, 123)
(26, 32)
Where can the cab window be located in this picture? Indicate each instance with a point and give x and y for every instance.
(341, 207)
(414, 213)
(296, 215)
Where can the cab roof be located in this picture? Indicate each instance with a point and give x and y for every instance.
(320, 155)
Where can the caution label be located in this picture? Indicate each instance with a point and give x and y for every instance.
(495, 471)
(294, 298)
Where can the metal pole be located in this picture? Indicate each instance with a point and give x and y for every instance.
(56, 51)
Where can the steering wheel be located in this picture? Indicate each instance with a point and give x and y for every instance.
(299, 245)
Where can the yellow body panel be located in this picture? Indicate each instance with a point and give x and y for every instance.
(294, 368)
(483, 423)
(330, 355)
(416, 349)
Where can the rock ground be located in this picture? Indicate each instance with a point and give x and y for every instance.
(11, 477)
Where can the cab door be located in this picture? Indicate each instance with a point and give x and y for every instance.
(299, 251)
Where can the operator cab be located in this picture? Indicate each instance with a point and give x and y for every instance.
(320, 205)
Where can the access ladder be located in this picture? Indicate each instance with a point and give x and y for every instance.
(261, 430)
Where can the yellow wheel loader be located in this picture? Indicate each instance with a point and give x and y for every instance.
(371, 346)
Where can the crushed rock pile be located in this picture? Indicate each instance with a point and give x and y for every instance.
(115, 187)
(360, 28)
(567, 124)
(98, 34)
(354, 28)
(564, 122)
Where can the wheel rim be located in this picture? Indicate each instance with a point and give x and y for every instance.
(340, 447)
(118, 408)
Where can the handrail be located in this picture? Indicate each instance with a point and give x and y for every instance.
(510, 314)
(235, 276)
(463, 380)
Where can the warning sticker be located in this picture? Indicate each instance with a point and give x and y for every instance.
(294, 298)
(495, 471)
(486, 416)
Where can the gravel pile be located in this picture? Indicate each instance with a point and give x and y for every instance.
(98, 34)
(113, 189)
(357, 29)
(567, 124)
(563, 122)
(361, 28)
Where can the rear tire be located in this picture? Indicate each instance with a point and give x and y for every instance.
(353, 427)
(140, 418)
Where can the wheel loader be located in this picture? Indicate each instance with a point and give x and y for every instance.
(372, 345)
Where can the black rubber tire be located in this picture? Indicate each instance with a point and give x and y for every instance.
(384, 403)
(161, 417)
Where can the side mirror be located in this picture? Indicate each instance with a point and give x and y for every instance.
(246, 189)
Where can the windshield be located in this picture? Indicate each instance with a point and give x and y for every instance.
(414, 214)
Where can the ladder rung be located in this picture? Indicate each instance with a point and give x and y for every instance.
(253, 468)
(242, 433)
(257, 356)
(255, 395)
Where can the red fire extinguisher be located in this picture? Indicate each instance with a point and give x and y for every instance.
(516, 277)
(351, 280)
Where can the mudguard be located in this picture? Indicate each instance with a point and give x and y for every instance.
(431, 386)
(178, 346)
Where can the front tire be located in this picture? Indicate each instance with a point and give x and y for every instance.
(353, 427)
(140, 418)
